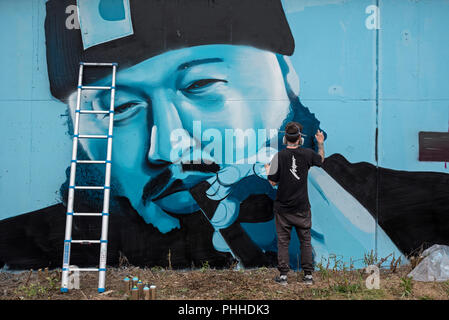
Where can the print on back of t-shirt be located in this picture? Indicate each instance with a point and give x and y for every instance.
(294, 167)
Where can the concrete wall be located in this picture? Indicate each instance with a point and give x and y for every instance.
(371, 74)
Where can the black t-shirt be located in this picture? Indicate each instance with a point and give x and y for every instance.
(289, 168)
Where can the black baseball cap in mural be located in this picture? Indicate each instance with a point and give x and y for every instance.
(160, 26)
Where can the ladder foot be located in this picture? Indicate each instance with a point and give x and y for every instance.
(64, 290)
(101, 290)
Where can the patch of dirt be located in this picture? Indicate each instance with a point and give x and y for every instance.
(213, 284)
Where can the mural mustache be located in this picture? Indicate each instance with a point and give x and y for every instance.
(159, 186)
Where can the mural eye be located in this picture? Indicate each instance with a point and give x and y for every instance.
(199, 85)
(126, 110)
(124, 107)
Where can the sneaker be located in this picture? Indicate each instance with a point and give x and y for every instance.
(282, 279)
(308, 279)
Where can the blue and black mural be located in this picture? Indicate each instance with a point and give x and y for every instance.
(204, 90)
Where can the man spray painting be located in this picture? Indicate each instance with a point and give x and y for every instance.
(289, 171)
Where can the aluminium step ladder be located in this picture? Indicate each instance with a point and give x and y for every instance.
(66, 268)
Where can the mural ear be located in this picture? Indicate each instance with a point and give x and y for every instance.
(284, 141)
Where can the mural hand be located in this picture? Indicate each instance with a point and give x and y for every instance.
(226, 187)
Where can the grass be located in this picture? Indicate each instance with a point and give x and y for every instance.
(32, 291)
(334, 279)
(407, 286)
(205, 266)
(41, 289)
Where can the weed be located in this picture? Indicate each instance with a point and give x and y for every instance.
(262, 270)
(394, 263)
(156, 269)
(415, 257)
(406, 286)
(33, 290)
(123, 261)
(205, 267)
(373, 294)
(324, 273)
(338, 262)
(169, 259)
(234, 265)
(370, 258)
(321, 293)
(379, 264)
(42, 288)
(347, 287)
(53, 283)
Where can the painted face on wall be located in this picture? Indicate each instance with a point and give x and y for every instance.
(216, 87)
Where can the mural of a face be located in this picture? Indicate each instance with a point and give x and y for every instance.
(193, 69)
(221, 87)
(195, 81)
(190, 71)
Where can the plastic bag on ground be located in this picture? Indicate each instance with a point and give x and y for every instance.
(434, 266)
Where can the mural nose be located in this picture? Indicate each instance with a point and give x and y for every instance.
(171, 147)
(167, 134)
(155, 154)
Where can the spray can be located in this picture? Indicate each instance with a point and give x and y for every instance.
(153, 292)
(126, 285)
(146, 293)
(135, 293)
(140, 288)
(134, 282)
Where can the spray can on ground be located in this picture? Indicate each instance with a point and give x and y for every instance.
(153, 292)
(146, 293)
(134, 282)
(140, 288)
(135, 293)
(126, 285)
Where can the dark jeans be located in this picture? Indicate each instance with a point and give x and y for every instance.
(302, 221)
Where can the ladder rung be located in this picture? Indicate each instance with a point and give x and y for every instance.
(96, 87)
(89, 187)
(92, 136)
(87, 214)
(98, 64)
(83, 269)
(90, 161)
(94, 111)
(85, 241)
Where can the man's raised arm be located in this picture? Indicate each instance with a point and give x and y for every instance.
(320, 141)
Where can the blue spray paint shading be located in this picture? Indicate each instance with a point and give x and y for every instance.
(112, 10)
